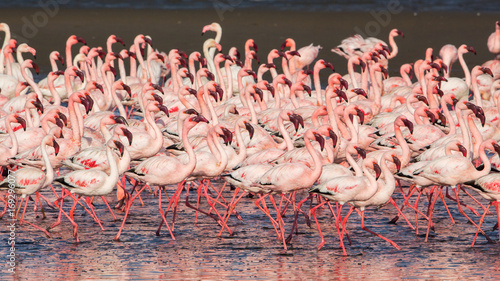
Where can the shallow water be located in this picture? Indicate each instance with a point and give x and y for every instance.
(253, 253)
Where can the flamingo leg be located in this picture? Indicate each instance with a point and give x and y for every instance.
(109, 208)
(480, 223)
(297, 210)
(161, 212)
(406, 198)
(430, 211)
(312, 211)
(376, 234)
(172, 201)
(127, 210)
(446, 206)
(471, 221)
(265, 210)
(401, 213)
(229, 210)
(281, 224)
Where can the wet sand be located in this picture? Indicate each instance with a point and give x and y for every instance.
(181, 29)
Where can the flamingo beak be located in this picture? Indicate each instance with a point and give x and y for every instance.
(36, 68)
(270, 65)
(378, 170)
(164, 109)
(149, 41)
(56, 147)
(213, 94)
(400, 33)
(341, 94)
(120, 147)
(283, 45)
(385, 72)
(60, 58)
(320, 140)
(158, 88)
(361, 92)
(256, 57)
(190, 76)
(131, 54)
(270, 88)
(38, 104)
(81, 40)
(422, 99)
(343, 83)
(334, 137)
(128, 135)
(200, 118)
(220, 91)
(363, 65)
(361, 152)
(157, 98)
(251, 72)
(59, 123)
(409, 125)
(472, 50)
(307, 89)
(250, 129)
(431, 116)
(127, 89)
(99, 87)
(183, 54)
(120, 40)
(361, 115)
(296, 120)
(288, 82)
(293, 53)
(191, 111)
(203, 62)
(79, 74)
(462, 149)
(192, 91)
(329, 65)
(119, 120)
(63, 118)
(487, 71)
(497, 148)
(259, 93)
(21, 121)
(228, 136)
(210, 75)
(442, 118)
(397, 162)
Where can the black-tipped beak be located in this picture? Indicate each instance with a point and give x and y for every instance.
(343, 83)
(442, 118)
(409, 125)
(128, 135)
(320, 140)
(497, 148)
(283, 46)
(63, 118)
(164, 109)
(361, 92)
(486, 70)
(81, 40)
(259, 93)
(120, 120)
(36, 68)
(471, 49)
(462, 149)
(120, 147)
(422, 99)
(149, 41)
(192, 91)
(363, 65)
(270, 88)
(361, 115)
(307, 89)
(157, 98)
(210, 75)
(431, 116)
(199, 118)
(79, 74)
(38, 104)
(361, 152)
(127, 89)
(56, 147)
(59, 123)
(190, 76)
(287, 82)
(21, 121)
(341, 94)
(250, 129)
(296, 121)
(397, 162)
(158, 88)
(334, 138)
(378, 170)
(228, 136)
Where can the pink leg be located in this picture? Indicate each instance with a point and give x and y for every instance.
(297, 210)
(109, 208)
(129, 204)
(376, 234)
(279, 219)
(445, 205)
(161, 212)
(313, 213)
(430, 212)
(480, 223)
(266, 211)
(401, 213)
(471, 221)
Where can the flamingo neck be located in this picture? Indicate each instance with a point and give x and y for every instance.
(285, 68)
(350, 70)
(317, 86)
(49, 170)
(287, 141)
(357, 169)
(69, 57)
(318, 167)
(478, 137)
(15, 144)
(75, 123)
(189, 167)
(466, 137)
(229, 76)
(475, 88)
(465, 68)
(121, 68)
(394, 47)
(405, 148)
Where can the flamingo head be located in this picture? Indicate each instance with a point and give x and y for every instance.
(226, 135)
(306, 88)
(441, 118)
(362, 64)
(497, 148)
(198, 118)
(60, 58)
(270, 88)
(269, 65)
(127, 134)
(430, 115)
(157, 98)
(471, 49)
(210, 75)
(287, 82)
(163, 108)
(333, 136)
(191, 91)
(98, 86)
(148, 40)
(131, 54)
(189, 75)
(157, 87)
(251, 72)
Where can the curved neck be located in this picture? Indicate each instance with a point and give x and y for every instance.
(75, 124)
(464, 67)
(369, 176)
(113, 167)
(138, 54)
(449, 118)
(286, 136)
(318, 167)
(189, 167)
(56, 99)
(15, 145)
(317, 86)
(69, 57)
(466, 138)
(49, 171)
(405, 76)
(475, 88)
(357, 169)
(285, 68)
(32, 83)
(350, 69)
(394, 47)
(229, 75)
(121, 68)
(241, 144)
(406, 153)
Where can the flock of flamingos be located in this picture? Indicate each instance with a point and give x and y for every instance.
(178, 123)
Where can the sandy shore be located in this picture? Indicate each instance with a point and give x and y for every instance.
(181, 29)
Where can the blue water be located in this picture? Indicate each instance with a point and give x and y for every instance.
(315, 5)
